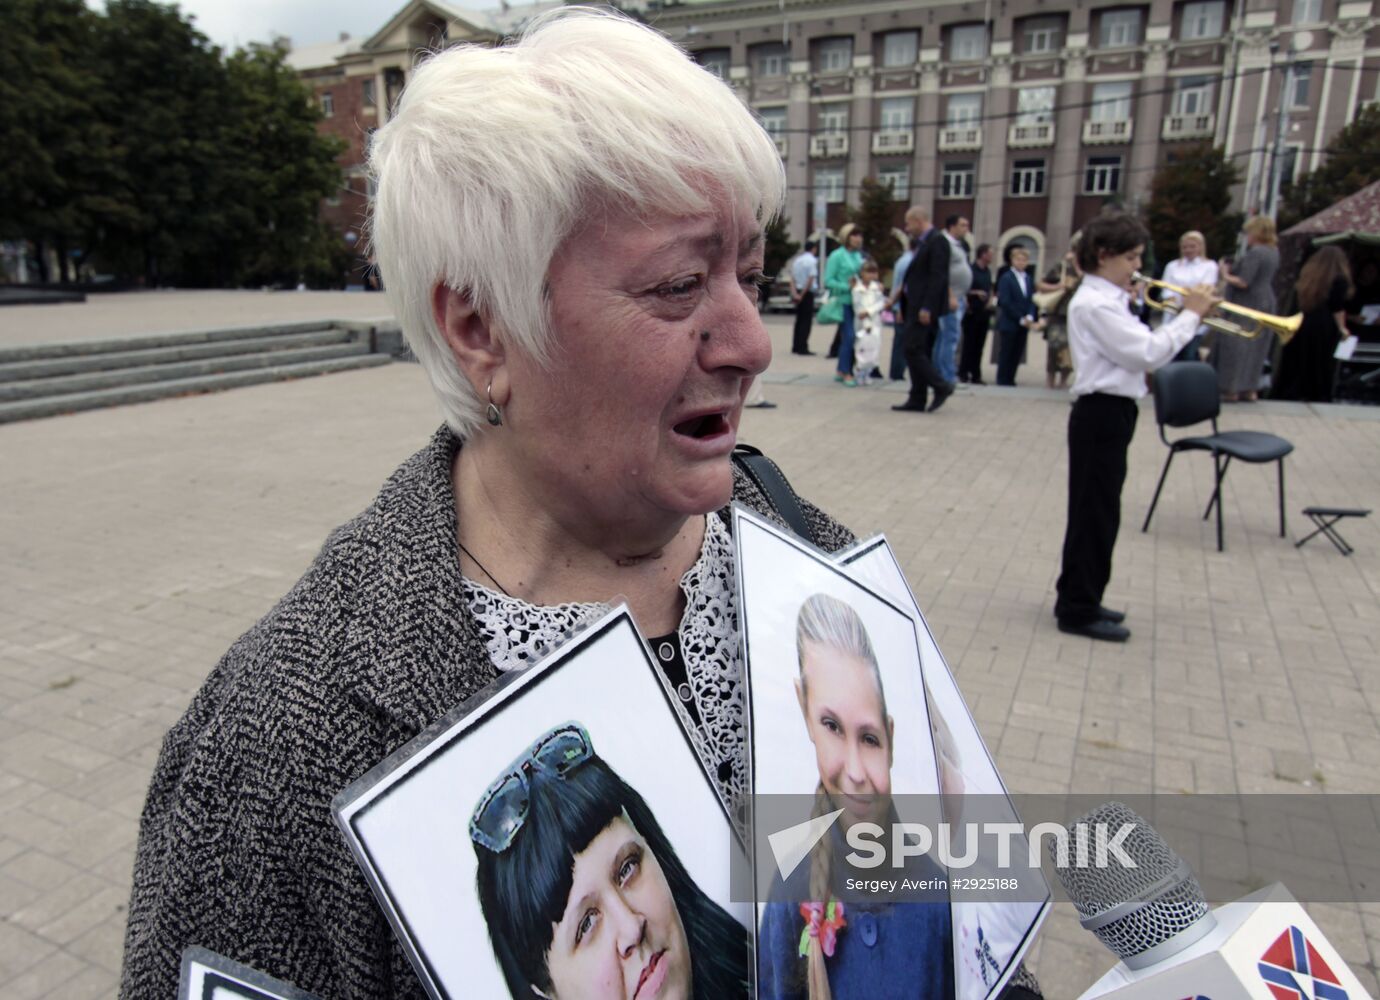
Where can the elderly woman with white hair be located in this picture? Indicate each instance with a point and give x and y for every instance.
(1190, 269)
(571, 232)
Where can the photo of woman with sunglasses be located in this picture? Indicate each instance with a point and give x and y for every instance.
(813, 945)
(582, 892)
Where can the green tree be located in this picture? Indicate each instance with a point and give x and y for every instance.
(54, 185)
(1352, 161)
(875, 216)
(282, 170)
(128, 135)
(1193, 192)
(165, 95)
(221, 169)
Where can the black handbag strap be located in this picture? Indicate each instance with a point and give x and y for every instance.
(769, 478)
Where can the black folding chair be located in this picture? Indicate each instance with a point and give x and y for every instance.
(1186, 394)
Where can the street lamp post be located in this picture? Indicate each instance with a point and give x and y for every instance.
(1281, 129)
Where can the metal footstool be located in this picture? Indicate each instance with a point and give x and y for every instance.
(1326, 519)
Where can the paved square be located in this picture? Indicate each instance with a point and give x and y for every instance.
(137, 543)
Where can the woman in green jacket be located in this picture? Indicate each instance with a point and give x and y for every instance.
(843, 264)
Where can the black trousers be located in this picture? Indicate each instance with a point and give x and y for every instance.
(804, 319)
(924, 376)
(1100, 431)
(975, 323)
(1009, 354)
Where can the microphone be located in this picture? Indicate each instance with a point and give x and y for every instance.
(1145, 913)
(1146, 905)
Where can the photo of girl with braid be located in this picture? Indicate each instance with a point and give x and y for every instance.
(812, 944)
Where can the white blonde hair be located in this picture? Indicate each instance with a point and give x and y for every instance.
(496, 155)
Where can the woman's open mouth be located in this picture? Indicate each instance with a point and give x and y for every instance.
(653, 975)
(707, 425)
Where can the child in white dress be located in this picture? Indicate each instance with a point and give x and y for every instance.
(869, 301)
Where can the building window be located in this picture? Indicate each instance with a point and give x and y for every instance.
(714, 60)
(1111, 102)
(957, 180)
(1034, 105)
(897, 113)
(897, 177)
(773, 121)
(833, 118)
(1193, 96)
(1307, 11)
(366, 93)
(1300, 77)
(1028, 177)
(900, 48)
(968, 43)
(829, 182)
(1118, 29)
(833, 55)
(770, 60)
(327, 104)
(963, 110)
(1202, 20)
(1103, 175)
(1043, 36)
(1289, 164)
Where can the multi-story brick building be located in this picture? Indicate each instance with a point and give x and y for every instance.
(358, 81)
(1025, 115)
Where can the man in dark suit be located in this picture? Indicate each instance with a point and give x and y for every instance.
(1016, 312)
(927, 298)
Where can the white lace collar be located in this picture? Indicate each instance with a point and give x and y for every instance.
(517, 634)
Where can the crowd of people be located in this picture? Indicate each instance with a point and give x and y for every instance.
(944, 299)
(1093, 309)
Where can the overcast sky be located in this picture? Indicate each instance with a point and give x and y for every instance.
(229, 23)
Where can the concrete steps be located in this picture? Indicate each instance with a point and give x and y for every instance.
(47, 380)
(139, 357)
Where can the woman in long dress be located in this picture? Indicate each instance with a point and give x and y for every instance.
(1239, 360)
(1306, 364)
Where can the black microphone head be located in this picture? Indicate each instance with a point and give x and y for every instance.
(1144, 911)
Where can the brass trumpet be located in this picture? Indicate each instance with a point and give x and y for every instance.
(1284, 326)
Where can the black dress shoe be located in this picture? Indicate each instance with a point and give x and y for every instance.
(766, 404)
(1106, 615)
(940, 395)
(1099, 629)
(910, 407)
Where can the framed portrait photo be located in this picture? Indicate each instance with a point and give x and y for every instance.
(842, 762)
(208, 976)
(992, 930)
(559, 839)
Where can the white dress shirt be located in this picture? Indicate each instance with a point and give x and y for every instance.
(805, 272)
(1187, 273)
(1112, 349)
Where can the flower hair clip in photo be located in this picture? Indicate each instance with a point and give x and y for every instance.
(823, 921)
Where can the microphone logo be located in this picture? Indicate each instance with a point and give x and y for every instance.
(1293, 970)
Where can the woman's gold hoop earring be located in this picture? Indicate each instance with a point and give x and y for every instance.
(493, 414)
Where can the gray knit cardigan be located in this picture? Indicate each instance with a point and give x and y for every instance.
(237, 849)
